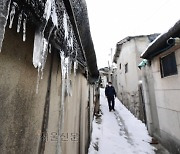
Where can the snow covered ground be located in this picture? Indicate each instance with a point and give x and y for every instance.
(118, 132)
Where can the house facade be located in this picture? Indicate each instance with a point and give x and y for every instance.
(127, 76)
(105, 75)
(47, 78)
(162, 95)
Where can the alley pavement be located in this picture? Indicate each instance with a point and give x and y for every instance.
(119, 132)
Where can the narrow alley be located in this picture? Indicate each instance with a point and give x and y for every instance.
(62, 63)
(119, 132)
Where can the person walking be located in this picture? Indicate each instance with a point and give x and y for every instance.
(110, 94)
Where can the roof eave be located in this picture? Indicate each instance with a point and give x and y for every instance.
(157, 46)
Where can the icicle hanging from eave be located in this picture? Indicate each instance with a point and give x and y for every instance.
(4, 13)
(24, 27)
(19, 21)
(12, 14)
(41, 44)
(54, 14)
(65, 26)
(40, 53)
(75, 62)
(47, 10)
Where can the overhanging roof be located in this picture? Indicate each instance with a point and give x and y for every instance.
(160, 44)
(78, 17)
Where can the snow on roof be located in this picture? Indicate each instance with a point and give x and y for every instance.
(151, 37)
(160, 44)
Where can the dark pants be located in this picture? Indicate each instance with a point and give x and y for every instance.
(111, 103)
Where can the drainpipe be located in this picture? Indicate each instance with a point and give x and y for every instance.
(175, 41)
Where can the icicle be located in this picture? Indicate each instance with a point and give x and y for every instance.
(44, 55)
(71, 40)
(38, 81)
(37, 49)
(40, 52)
(75, 64)
(65, 25)
(75, 67)
(24, 27)
(47, 10)
(63, 72)
(49, 48)
(69, 66)
(12, 13)
(19, 22)
(63, 67)
(87, 73)
(68, 74)
(61, 121)
(54, 14)
(4, 17)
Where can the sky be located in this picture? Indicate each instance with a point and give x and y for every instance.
(113, 20)
(118, 132)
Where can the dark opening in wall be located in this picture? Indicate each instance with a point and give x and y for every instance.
(126, 68)
(168, 65)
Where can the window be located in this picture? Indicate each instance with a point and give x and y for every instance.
(120, 66)
(168, 65)
(126, 68)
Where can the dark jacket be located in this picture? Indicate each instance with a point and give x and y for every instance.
(110, 91)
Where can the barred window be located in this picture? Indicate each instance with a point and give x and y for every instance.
(168, 65)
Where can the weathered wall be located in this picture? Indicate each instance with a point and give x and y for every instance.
(150, 102)
(167, 97)
(127, 83)
(78, 110)
(21, 108)
(30, 122)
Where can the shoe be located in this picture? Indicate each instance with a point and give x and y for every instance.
(113, 109)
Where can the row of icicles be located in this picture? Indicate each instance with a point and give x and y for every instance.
(22, 19)
(41, 50)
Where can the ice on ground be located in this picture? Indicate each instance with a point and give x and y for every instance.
(119, 132)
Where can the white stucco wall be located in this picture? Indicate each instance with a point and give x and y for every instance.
(167, 94)
(128, 82)
(149, 100)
